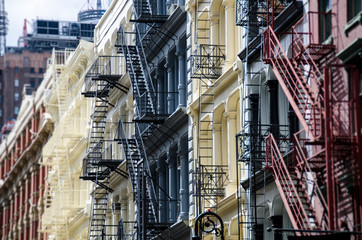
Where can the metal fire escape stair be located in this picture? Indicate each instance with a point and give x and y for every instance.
(146, 120)
(302, 83)
(296, 84)
(97, 166)
(99, 210)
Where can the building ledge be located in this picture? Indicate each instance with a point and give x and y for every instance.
(354, 50)
(180, 228)
(287, 18)
(351, 24)
(29, 152)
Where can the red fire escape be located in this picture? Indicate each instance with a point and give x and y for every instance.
(320, 179)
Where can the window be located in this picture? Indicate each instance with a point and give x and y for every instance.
(1, 112)
(354, 7)
(32, 82)
(32, 70)
(325, 19)
(40, 70)
(16, 96)
(26, 62)
(16, 69)
(16, 83)
(16, 110)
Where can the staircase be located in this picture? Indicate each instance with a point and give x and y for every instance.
(99, 210)
(318, 169)
(100, 80)
(296, 84)
(98, 125)
(146, 121)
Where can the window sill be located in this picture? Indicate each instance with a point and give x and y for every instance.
(351, 23)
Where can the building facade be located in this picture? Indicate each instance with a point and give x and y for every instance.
(197, 120)
(18, 68)
(66, 209)
(296, 91)
(215, 112)
(22, 173)
(137, 152)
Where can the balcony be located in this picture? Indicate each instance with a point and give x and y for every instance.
(207, 61)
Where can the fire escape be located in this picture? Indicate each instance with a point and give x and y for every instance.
(138, 136)
(100, 80)
(320, 187)
(205, 62)
(252, 17)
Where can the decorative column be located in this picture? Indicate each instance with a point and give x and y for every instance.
(172, 186)
(11, 213)
(161, 194)
(6, 222)
(231, 131)
(160, 90)
(34, 200)
(184, 179)
(21, 210)
(217, 153)
(170, 84)
(16, 212)
(131, 208)
(26, 207)
(181, 75)
(124, 210)
(273, 106)
(229, 31)
(214, 25)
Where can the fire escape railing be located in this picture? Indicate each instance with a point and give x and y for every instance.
(207, 61)
(210, 180)
(295, 86)
(102, 77)
(320, 153)
(147, 120)
(251, 162)
(254, 13)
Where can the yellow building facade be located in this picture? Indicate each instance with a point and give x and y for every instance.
(215, 110)
(66, 201)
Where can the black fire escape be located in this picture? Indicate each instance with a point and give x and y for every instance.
(135, 136)
(252, 17)
(98, 164)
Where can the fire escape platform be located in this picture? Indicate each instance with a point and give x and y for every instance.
(151, 118)
(317, 51)
(283, 21)
(92, 94)
(150, 18)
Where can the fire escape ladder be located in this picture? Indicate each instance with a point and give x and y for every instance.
(96, 137)
(146, 121)
(101, 78)
(293, 191)
(142, 183)
(145, 12)
(98, 225)
(98, 164)
(206, 66)
(138, 70)
(307, 170)
(296, 86)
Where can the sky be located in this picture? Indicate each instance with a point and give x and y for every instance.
(18, 10)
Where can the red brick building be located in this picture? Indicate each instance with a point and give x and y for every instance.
(22, 175)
